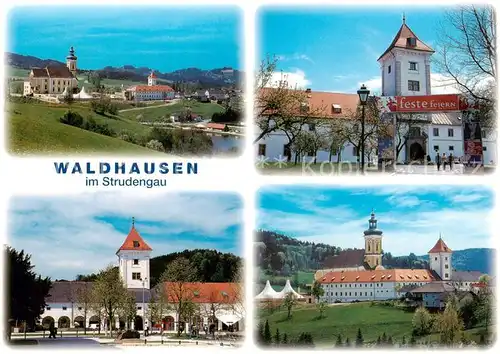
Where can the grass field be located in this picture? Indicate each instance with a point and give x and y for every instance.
(153, 114)
(345, 319)
(35, 128)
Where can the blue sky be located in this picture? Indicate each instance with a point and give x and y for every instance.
(410, 217)
(162, 38)
(80, 234)
(336, 48)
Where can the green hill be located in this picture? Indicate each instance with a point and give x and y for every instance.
(35, 128)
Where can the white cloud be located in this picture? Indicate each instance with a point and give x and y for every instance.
(295, 56)
(73, 234)
(296, 78)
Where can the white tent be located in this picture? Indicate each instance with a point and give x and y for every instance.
(288, 289)
(82, 95)
(65, 93)
(268, 293)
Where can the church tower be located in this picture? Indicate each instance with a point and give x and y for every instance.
(373, 243)
(405, 65)
(152, 79)
(133, 260)
(71, 61)
(440, 259)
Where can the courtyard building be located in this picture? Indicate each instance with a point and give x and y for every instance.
(150, 92)
(405, 71)
(361, 276)
(218, 306)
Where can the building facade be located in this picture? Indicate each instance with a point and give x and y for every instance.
(150, 92)
(405, 71)
(53, 80)
(218, 306)
(353, 281)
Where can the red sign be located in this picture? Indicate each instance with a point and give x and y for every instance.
(417, 104)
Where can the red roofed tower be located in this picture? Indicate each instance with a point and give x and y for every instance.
(440, 259)
(152, 79)
(133, 260)
(405, 65)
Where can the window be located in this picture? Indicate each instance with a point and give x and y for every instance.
(389, 69)
(335, 294)
(435, 258)
(450, 132)
(356, 293)
(413, 85)
(446, 266)
(136, 262)
(436, 148)
(451, 147)
(484, 148)
(310, 153)
(413, 66)
(48, 308)
(312, 127)
(483, 132)
(262, 149)
(411, 42)
(349, 293)
(304, 107)
(336, 108)
(80, 308)
(64, 308)
(446, 275)
(445, 258)
(136, 276)
(354, 151)
(136, 244)
(435, 131)
(139, 307)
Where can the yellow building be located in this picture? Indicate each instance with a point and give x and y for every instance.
(373, 243)
(53, 80)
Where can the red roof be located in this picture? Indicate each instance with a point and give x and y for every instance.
(440, 246)
(154, 88)
(400, 41)
(204, 292)
(371, 276)
(216, 126)
(152, 75)
(323, 104)
(134, 242)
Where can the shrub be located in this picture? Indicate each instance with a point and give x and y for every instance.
(422, 322)
(129, 334)
(72, 118)
(155, 145)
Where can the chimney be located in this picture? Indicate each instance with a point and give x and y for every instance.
(308, 90)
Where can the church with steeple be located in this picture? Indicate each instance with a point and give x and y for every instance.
(360, 275)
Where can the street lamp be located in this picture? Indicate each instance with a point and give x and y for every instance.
(143, 308)
(363, 93)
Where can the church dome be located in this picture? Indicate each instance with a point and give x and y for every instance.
(372, 226)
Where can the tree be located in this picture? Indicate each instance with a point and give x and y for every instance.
(260, 333)
(289, 303)
(384, 338)
(485, 308)
(359, 338)
(128, 310)
(347, 342)
(422, 322)
(279, 107)
(338, 343)
(267, 334)
(449, 324)
(389, 341)
(26, 290)
(109, 294)
(277, 337)
(95, 80)
(467, 54)
(179, 272)
(379, 341)
(317, 290)
(84, 300)
(285, 339)
(322, 308)
(155, 145)
(413, 340)
(350, 129)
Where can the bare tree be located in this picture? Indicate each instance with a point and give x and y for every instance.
(467, 52)
(349, 129)
(279, 107)
(84, 300)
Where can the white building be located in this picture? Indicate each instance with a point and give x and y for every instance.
(53, 80)
(222, 300)
(377, 283)
(150, 92)
(405, 71)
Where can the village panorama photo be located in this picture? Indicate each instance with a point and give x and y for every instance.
(108, 86)
(374, 267)
(399, 90)
(86, 272)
